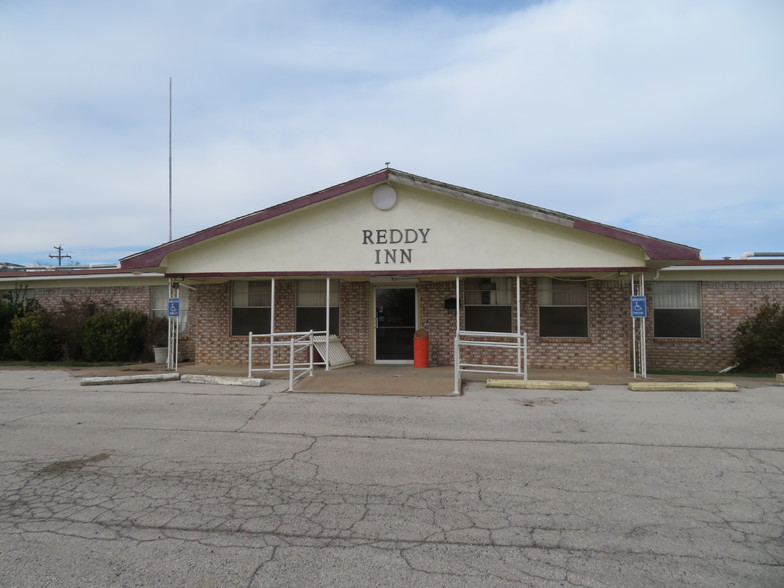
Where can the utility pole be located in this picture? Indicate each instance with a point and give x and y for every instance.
(59, 255)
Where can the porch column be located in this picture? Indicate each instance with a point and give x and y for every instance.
(272, 323)
(457, 304)
(326, 359)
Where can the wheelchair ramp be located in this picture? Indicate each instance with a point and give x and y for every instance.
(338, 356)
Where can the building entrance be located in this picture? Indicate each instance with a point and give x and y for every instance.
(395, 325)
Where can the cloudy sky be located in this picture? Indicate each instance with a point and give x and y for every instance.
(665, 117)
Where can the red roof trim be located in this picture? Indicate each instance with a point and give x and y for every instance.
(33, 273)
(653, 248)
(732, 262)
(153, 257)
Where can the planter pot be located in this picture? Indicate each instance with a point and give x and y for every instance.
(161, 354)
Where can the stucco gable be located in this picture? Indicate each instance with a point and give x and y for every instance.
(335, 235)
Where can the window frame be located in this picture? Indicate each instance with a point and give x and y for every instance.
(264, 310)
(548, 309)
(159, 305)
(488, 300)
(678, 312)
(334, 307)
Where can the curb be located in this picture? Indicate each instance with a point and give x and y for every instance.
(683, 387)
(223, 380)
(140, 379)
(538, 384)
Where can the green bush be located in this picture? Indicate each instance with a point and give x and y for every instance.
(116, 335)
(14, 303)
(31, 337)
(68, 323)
(759, 341)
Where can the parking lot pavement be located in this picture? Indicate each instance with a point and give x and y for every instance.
(173, 484)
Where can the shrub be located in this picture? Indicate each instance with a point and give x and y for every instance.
(14, 303)
(68, 323)
(116, 335)
(759, 340)
(31, 337)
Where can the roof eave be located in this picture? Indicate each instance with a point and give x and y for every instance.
(153, 258)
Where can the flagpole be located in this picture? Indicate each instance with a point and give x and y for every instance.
(170, 158)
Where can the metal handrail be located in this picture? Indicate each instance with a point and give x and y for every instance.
(517, 341)
(296, 342)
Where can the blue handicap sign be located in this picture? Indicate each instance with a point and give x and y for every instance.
(174, 307)
(639, 307)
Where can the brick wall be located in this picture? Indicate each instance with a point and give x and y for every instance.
(439, 322)
(724, 306)
(211, 306)
(130, 297)
(608, 346)
(356, 320)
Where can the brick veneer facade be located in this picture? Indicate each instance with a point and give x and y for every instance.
(211, 323)
(725, 304)
(608, 346)
(130, 297)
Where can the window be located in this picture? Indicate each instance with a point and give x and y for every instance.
(159, 296)
(563, 308)
(488, 305)
(311, 304)
(250, 309)
(676, 309)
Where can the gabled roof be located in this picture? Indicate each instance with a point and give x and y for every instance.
(655, 249)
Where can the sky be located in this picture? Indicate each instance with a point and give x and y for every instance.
(665, 118)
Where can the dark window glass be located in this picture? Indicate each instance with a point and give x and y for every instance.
(677, 322)
(493, 319)
(315, 318)
(246, 320)
(563, 321)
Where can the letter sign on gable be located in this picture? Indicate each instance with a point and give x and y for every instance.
(392, 236)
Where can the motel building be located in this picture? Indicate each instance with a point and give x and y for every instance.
(390, 255)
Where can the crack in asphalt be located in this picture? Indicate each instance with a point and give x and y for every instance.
(462, 439)
(286, 504)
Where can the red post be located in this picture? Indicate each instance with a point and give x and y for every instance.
(421, 348)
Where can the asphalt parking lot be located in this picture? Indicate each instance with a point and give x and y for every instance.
(173, 484)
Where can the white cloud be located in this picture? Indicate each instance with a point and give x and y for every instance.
(647, 115)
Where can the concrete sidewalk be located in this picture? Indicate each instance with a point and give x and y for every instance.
(391, 379)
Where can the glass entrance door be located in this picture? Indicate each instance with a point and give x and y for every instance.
(395, 324)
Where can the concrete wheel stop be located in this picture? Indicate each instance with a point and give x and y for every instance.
(538, 384)
(171, 377)
(683, 387)
(135, 379)
(223, 380)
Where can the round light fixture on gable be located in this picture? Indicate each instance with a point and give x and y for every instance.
(384, 197)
